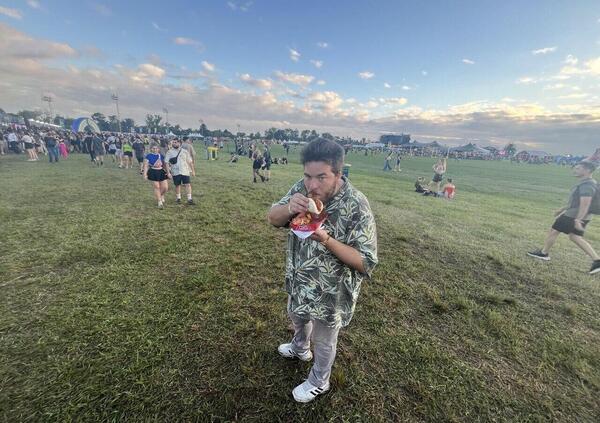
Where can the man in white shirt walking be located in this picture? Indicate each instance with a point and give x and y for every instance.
(181, 166)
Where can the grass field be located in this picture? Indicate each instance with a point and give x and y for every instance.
(111, 309)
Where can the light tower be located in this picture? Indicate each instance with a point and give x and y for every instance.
(115, 98)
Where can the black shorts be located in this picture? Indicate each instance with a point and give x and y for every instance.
(140, 159)
(112, 152)
(28, 146)
(566, 225)
(437, 177)
(181, 179)
(157, 175)
(128, 153)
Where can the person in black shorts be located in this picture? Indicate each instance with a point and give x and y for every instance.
(438, 175)
(139, 148)
(573, 218)
(154, 170)
(257, 164)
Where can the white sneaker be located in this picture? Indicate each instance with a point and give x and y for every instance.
(287, 351)
(306, 392)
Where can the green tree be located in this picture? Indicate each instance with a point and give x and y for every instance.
(304, 134)
(327, 136)
(100, 119)
(153, 123)
(127, 124)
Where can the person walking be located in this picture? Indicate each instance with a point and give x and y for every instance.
(29, 147)
(575, 216)
(180, 165)
(98, 149)
(52, 147)
(139, 148)
(386, 163)
(324, 272)
(154, 170)
(398, 159)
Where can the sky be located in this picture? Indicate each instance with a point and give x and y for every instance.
(487, 72)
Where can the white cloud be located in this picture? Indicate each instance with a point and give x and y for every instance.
(322, 44)
(320, 82)
(265, 84)
(294, 55)
(328, 101)
(424, 72)
(406, 88)
(209, 67)
(393, 101)
(295, 78)
(101, 9)
(158, 27)
(555, 86)
(34, 4)
(573, 96)
(147, 71)
(589, 68)
(386, 85)
(544, 50)
(571, 60)
(11, 13)
(317, 63)
(183, 41)
(366, 75)
(468, 62)
(526, 80)
(371, 104)
(240, 6)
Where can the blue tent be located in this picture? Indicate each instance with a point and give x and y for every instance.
(84, 124)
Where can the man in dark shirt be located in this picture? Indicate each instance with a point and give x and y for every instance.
(87, 142)
(573, 218)
(52, 147)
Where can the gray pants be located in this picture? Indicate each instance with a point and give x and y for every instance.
(325, 343)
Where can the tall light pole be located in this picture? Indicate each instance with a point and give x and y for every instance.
(115, 97)
(167, 122)
(48, 99)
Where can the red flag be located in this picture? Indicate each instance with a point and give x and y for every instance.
(595, 158)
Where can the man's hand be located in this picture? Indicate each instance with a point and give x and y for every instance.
(559, 212)
(579, 225)
(320, 235)
(298, 204)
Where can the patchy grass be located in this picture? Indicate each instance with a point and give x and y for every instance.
(111, 309)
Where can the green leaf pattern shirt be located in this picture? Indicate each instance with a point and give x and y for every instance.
(319, 285)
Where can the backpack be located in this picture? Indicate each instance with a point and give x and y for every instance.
(595, 204)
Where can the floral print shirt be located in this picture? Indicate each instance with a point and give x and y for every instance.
(319, 285)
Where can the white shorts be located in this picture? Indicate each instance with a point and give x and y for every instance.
(119, 152)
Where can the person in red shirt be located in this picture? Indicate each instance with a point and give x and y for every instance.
(449, 189)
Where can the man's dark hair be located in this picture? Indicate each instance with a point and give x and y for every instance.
(589, 166)
(323, 150)
(450, 180)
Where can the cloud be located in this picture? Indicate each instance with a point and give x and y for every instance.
(21, 47)
(158, 28)
(321, 82)
(366, 75)
(11, 13)
(265, 84)
(424, 72)
(386, 85)
(322, 44)
(209, 67)
(295, 78)
(571, 60)
(28, 69)
(240, 6)
(544, 50)
(34, 4)
(406, 88)
(398, 101)
(294, 55)
(183, 41)
(317, 63)
(101, 9)
(468, 62)
(526, 80)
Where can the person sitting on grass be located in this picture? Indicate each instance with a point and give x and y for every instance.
(449, 189)
(573, 218)
(420, 185)
(233, 159)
